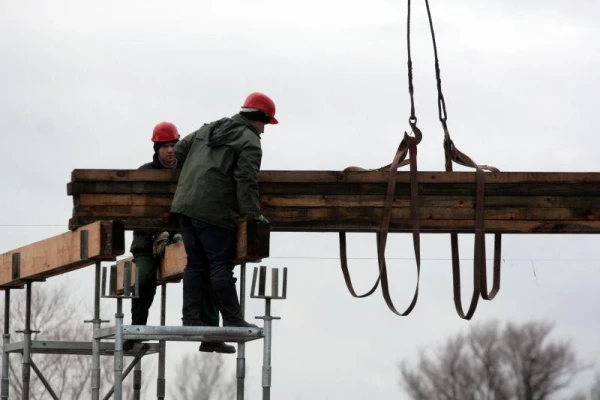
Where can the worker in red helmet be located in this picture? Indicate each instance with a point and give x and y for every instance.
(218, 184)
(147, 248)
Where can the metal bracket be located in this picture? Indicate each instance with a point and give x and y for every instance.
(83, 248)
(16, 266)
(262, 278)
(112, 283)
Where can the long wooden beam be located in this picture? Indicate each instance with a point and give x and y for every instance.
(515, 202)
(98, 241)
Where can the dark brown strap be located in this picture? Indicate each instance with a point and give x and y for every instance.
(479, 261)
(346, 272)
(409, 144)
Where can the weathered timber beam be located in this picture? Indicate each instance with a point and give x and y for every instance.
(102, 240)
(371, 225)
(348, 177)
(328, 212)
(352, 188)
(303, 201)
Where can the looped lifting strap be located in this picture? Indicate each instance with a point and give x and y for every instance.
(452, 154)
(407, 146)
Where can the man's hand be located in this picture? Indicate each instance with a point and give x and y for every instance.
(160, 243)
(263, 220)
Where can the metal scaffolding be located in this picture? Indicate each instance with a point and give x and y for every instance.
(99, 346)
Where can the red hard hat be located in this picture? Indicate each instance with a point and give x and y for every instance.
(262, 102)
(165, 132)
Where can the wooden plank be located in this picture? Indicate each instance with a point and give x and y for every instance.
(306, 201)
(125, 175)
(125, 200)
(332, 212)
(62, 253)
(131, 223)
(340, 188)
(101, 187)
(308, 176)
(371, 225)
(173, 263)
(122, 211)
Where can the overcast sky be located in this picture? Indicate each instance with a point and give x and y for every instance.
(83, 85)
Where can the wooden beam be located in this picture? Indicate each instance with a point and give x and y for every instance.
(98, 241)
(149, 175)
(304, 201)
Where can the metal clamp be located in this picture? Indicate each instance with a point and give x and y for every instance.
(128, 270)
(262, 278)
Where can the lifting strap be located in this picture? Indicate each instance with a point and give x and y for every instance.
(452, 154)
(409, 146)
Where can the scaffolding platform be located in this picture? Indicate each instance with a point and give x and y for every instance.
(183, 333)
(74, 348)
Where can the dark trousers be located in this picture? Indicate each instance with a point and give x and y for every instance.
(147, 267)
(210, 260)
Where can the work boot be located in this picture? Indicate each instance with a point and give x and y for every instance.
(229, 305)
(217, 347)
(129, 344)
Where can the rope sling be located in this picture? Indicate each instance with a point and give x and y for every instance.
(408, 146)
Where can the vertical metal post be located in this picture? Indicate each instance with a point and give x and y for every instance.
(162, 346)
(137, 380)
(96, 342)
(119, 350)
(5, 342)
(266, 370)
(241, 351)
(26, 365)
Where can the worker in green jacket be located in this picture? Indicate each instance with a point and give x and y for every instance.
(218, 184)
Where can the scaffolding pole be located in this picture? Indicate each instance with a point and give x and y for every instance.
(162, 346)
(96, 324)
(26, 364)
(241, 351)
(137, 380)
(119, 350)
(5, 342)
(44, 381)
(266, 371)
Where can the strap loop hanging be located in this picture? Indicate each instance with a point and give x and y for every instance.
(452, 154)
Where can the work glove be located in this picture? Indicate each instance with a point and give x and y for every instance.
(160, 243)
(177, 238)
(263, 220)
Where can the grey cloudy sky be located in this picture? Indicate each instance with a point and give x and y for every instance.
(83, 84)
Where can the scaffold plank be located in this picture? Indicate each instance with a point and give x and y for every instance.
(102, 240)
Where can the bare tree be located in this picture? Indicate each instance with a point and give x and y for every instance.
(58, 315)
(494, 362)
(202, 376)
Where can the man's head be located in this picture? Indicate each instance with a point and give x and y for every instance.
(165, 136)
(260, 110)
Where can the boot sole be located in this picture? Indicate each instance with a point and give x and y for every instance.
(207, 349)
